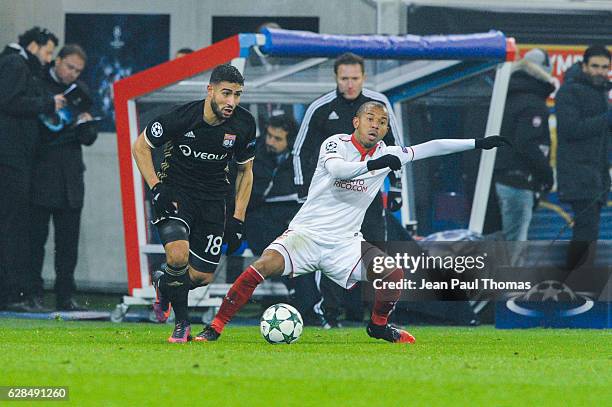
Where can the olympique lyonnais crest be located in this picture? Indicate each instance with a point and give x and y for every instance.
(228, 140)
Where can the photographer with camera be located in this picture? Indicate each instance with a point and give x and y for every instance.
(58, 188)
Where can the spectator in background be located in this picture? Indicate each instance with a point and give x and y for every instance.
(274, 202)
(274, 197)
(182, 52)
(584, 120)
(523, 171)
(22, 99)
(58, 188)
(332, 114)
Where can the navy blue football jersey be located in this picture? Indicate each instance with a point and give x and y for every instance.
(196, 154)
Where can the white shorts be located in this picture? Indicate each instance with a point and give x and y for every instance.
(344, 263)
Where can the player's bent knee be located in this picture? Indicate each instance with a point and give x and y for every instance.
(177, 253)
(270, 264)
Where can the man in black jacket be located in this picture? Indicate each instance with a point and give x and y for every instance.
(332, 114)
(274, 197)
(274, 202)
(584, 120)
(58, 188)
(22, 99)
(523, 171)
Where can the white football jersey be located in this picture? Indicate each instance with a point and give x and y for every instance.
(335, 208)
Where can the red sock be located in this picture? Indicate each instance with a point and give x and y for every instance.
(236, 297)
(385, 299)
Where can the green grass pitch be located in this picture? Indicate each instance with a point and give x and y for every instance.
(132, 365)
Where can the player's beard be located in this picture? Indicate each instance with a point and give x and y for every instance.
(218, 111)
(598, 80)
(273, 150)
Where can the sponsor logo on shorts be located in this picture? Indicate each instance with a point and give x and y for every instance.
(156, 129)
(190, 134)
(229, 140)
(189, 152)
(357, 185)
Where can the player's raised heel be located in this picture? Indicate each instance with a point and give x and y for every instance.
(181, 333)
(389, 333)
(161, 306)
(207, 335)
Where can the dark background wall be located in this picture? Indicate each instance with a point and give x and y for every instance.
(226, 26)
(539, 28)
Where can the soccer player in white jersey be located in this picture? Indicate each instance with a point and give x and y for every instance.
(324, 235)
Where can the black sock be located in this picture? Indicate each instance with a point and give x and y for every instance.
(175, 284)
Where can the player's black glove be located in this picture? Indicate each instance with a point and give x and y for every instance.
(233, 234)
(490, 142)
(386, 161)
(163, 200)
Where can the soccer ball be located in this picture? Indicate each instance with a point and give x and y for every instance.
(281, 323)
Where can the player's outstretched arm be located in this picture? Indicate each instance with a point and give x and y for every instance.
(340, 169)
(491, 142)
(439, 147)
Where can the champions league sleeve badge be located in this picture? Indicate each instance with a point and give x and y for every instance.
(229, 140)
(331, 147)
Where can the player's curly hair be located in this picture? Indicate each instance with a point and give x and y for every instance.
(41, 36)
(226, 73)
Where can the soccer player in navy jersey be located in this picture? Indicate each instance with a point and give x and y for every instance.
(199, 139)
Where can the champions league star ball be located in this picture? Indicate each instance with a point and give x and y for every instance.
(550, 290)
(281, 323)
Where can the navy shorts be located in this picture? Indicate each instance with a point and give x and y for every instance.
(205, 222)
